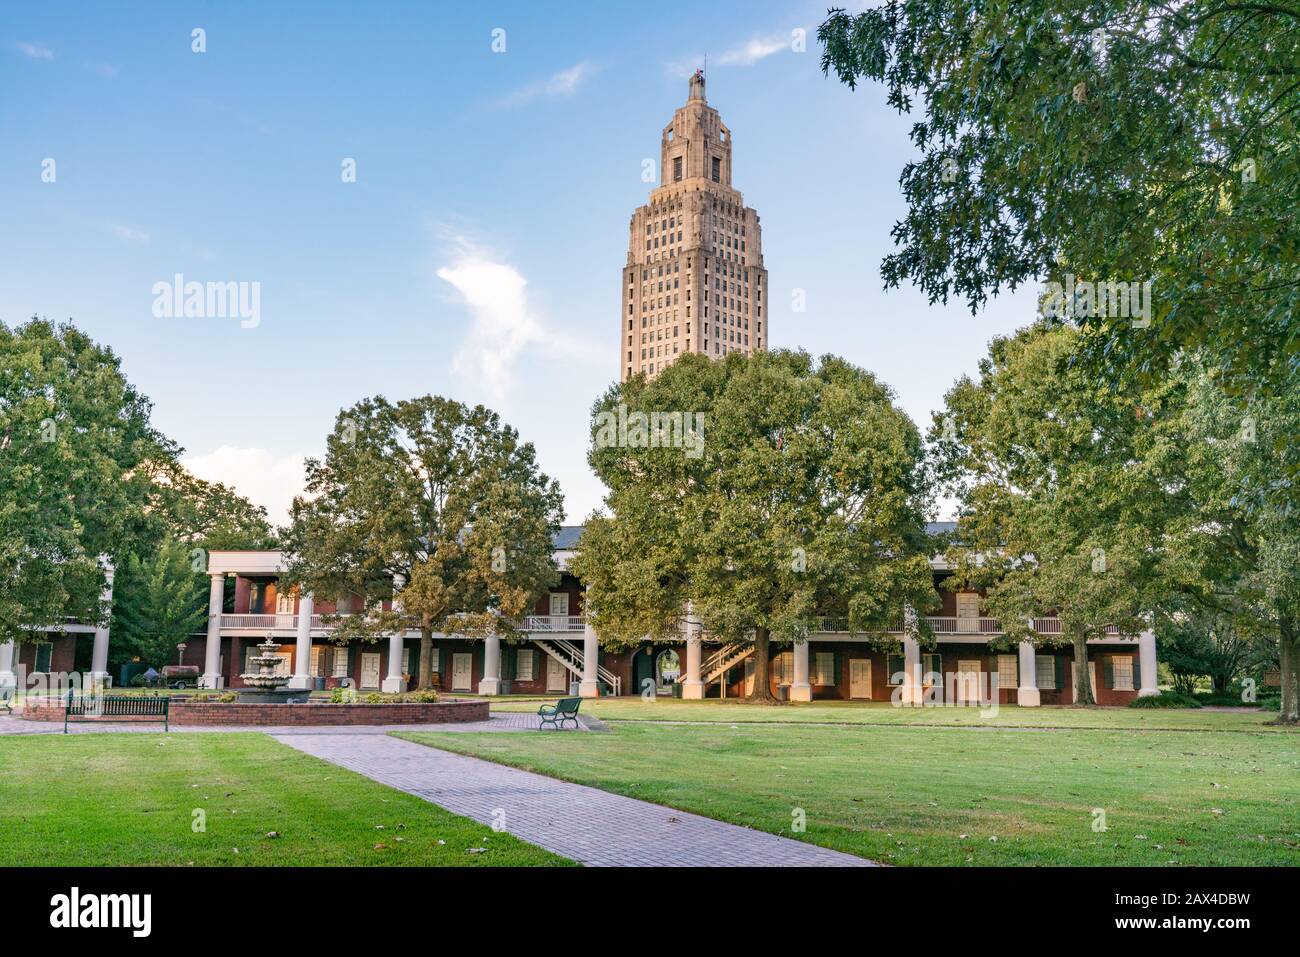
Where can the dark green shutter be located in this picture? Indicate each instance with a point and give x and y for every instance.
(415, 660)
(1137, 672)
(837, 667)
(1108, 672)
(1058, 665)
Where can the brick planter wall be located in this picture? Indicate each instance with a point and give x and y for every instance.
(185, 712)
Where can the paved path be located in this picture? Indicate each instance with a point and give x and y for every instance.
(505, 721)
(580, 823)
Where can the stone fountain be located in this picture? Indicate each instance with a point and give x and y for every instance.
(266, 685)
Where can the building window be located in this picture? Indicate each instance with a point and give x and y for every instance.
(717, 170)
(894, 667)
(677, 169)
(1007, 677)
(316, 652)
(824, 673)
(932, 665)
(1122, 669)
(1045, 667)
(524, 664)
(340, 662)
(783, 668)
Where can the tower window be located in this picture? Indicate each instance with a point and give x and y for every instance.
(677, 169)
(717, 170)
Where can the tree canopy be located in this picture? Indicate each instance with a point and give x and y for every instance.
(433, 504)
(1109, 141)
(76, 444)
(761, 492)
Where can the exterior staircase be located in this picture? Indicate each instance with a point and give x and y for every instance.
(724, 659)
(571, 656)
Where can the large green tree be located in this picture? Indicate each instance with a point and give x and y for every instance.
(76, 449)
(759, 492)
(434, 504)
(1233, 463)
(1110, 140)
(159, 600)
(1061, 510)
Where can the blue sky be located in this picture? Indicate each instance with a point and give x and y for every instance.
(478, 253)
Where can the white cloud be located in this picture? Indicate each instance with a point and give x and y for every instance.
(746, 54)
(129, 233)
(503, 324)
(749, 53)
(562, 84)
(254, 473)
(34, 51)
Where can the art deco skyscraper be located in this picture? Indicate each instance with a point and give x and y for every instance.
(694, 279)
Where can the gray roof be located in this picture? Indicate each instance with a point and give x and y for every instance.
(567, 537)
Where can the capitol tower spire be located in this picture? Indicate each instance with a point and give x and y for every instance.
(694, 279)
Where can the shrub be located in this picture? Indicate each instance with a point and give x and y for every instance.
(1166, 699)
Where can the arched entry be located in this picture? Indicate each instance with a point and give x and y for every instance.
(643, 667)
(668, 668)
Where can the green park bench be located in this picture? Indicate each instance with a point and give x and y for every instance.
(566, 709)
(111, 706)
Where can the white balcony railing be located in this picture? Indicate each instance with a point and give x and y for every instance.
(553, 623)
(561, 624)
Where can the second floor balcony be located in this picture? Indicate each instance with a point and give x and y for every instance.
(953, 628)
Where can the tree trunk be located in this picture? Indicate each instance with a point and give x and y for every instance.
(1083, 683)
(425, 680)
(762, 693)
(1289, 639)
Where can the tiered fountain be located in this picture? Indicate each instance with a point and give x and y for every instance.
(265, 685)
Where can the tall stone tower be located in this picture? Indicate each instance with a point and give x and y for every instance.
(694, 279)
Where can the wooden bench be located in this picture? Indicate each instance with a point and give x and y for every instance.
(116, 706)
(7, 699)
(566, 709)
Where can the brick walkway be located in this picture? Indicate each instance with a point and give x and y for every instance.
(505, 721)
(580, 823)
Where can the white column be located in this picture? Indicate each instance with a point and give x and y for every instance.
(590, 687)
(692, 686)
(913, 686)
(302, 650)
(7, 677)
(1027, 695)
(212, 652)
(99, 652)
(1147, 663)
(393, 682)
(490, 683)
(800, 689)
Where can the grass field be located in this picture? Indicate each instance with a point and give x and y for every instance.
(112, 799)
(870, 713)
(862, 713)
(951, 796)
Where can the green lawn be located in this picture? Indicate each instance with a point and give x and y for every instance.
(112, 799)
(858, 713)
(948, 796)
